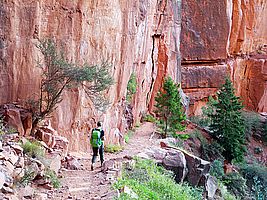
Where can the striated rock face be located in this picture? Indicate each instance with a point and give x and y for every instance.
(225, 37)
(135, 36)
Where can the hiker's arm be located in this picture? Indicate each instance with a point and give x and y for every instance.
(102, 136)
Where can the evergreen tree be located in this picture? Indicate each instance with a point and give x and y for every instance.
(169, 107)
(227, 124)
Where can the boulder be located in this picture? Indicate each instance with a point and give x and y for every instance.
(130, 192)
(18, 173)
(61, 143)
(7, 190)
(211, 186)
(18, 149)
(27, 192)
(175, 161)
(9, 167)
(20, 163)
(2, 179)
(12, 158)
(197, 169)
(55, 164)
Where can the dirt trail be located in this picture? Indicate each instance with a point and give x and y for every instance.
(87, 184)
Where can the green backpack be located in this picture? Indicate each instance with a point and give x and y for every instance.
(95, 138)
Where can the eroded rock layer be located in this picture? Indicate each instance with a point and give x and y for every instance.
(135, 36)
(224, 37)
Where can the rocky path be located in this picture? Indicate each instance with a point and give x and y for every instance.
(87, 184)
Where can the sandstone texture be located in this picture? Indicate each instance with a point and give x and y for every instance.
(140, 37)
(220, 38)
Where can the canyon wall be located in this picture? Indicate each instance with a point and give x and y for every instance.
(224, 37)
(140, 37)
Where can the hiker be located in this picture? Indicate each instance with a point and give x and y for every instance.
(97, 143)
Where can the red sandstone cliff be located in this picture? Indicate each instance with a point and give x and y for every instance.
(220, 37)
(136, 36)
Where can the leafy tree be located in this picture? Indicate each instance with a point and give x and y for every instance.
(169, 107)
(58, 75)
(227, 123)
(131, 87)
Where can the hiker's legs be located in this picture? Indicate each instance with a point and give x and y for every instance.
(95, 152)
(101, 153)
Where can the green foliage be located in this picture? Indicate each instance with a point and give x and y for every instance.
(131, 87)
(236, 184)
(182, 136)
(28, 177)
(199, 120)
(211, 151)
(33, 149)
(128, 136)
(59, 74)
(256, 176)
(227, 124)
(251, 121)
(216, 169)
(197, 134)
(149, 118)
(51, 175)
(2, 128)
(169, 108)
(149, 181)
(112, 148)
(204, 120)
(226, 195)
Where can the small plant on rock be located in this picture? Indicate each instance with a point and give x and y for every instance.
(51, 175)
(112, 148)
(131, 87)
(33, 149)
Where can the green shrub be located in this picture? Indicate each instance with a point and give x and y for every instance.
(149, 118)
(181, 136)
(211, 151)
(226, 195)
(149, 181)
(256, 176)
(200, 121)
(236, 184)
(28, 177)
(128, 136)
(196, 134)
(252, 122)
(112, 148)
(131, 87)
(51, 175)
(33, 149)
(216, 169)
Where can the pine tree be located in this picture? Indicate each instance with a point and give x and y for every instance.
(169, 107)
(227, 124)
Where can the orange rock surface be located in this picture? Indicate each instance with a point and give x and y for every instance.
(232, 34)
(135, 36)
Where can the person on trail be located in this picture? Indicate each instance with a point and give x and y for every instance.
(97, 143)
